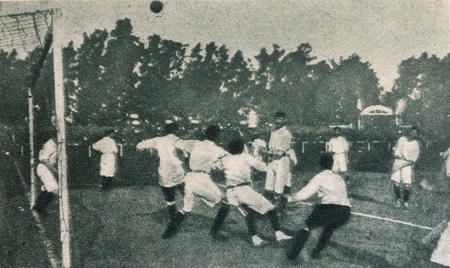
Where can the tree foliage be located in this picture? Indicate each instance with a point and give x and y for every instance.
(423, 85)
(113, 76)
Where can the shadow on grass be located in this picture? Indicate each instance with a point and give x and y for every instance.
(362, 257)
(87, 225)
(366, 199)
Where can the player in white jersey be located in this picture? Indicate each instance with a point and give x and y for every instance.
(204, 157)
(338, 147)
(46, 170)
(278, 170)
(238, 169)
(171, 171)
(333, 211)
(107, 146)
(406, 153)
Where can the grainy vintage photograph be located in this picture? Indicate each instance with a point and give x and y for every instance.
(239, 133)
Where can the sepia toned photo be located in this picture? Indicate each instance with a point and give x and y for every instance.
(239, 133)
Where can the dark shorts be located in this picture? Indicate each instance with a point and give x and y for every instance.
(328, 216)
(169, 192)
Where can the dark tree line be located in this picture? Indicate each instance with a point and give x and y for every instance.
(113, 75)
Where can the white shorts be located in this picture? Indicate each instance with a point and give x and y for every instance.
(278, 175)
(339, 162)
(200, 184)
(246, 195)
(403, 175)
(171, 177)
(108, 165)
(47, 178)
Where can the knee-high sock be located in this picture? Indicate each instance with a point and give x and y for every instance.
(48, 198)
(298, 242)
(406, 194)
(40, 201)
(273, 217)
(397, 192)
(172, 211)
(220, 218)
(324, 238)
(250, 220)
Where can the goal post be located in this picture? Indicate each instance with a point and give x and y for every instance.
(24, 33)
(60, 112)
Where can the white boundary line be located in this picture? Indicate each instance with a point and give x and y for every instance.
(47, 242)
(366, 215)
(382, 218)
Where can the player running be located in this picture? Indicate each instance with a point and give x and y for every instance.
(204, 157)
(238, 169)
(333, 211)
(171, 171)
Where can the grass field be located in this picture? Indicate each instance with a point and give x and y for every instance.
(123, 228)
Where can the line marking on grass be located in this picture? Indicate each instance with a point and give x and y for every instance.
(367, 215)
(47, 242)
(382, 218)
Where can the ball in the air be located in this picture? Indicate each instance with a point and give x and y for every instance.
(156, 6)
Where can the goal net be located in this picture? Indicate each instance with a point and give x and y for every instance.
(28, 37)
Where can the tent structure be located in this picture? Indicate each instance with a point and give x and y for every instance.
(378, 114)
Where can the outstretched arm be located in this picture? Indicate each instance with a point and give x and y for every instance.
(306, 192)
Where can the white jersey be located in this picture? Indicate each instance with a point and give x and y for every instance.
(280, 140)
(329, 186)
(46, 170)
(238, 179)
(108, 148)
(338, 145)
(49, 154)
(406, 149)
(238, 168)
(204, 155)
(171, 171)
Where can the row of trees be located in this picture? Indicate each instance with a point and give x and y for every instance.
(114, 75)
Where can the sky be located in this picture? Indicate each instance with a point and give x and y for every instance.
(382, 32)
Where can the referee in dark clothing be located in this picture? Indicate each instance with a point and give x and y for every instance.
(333, 211)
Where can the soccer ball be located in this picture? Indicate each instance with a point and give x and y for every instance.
(156, 6)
